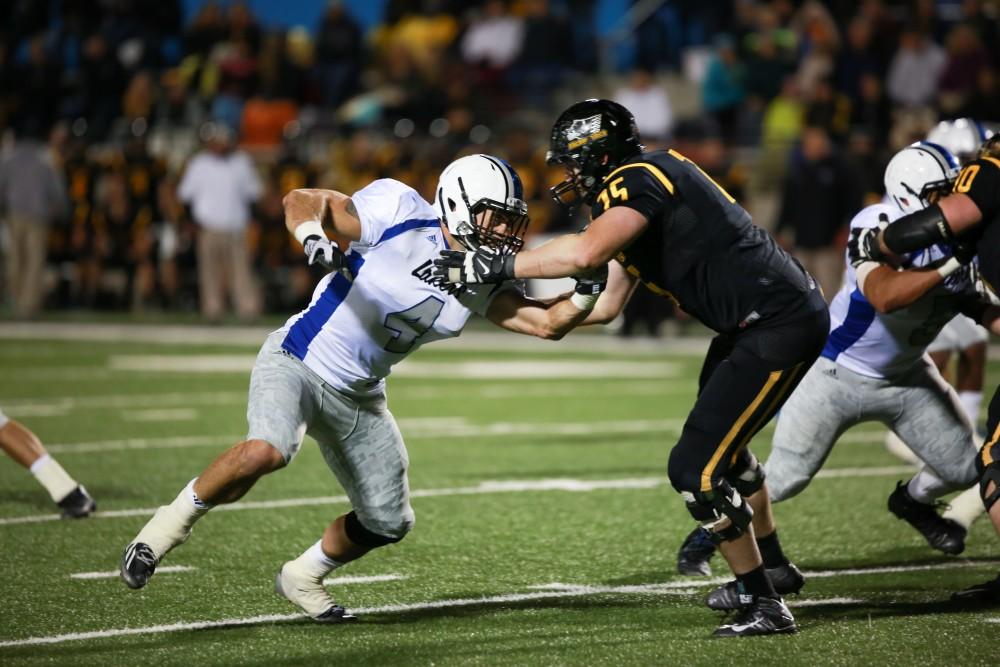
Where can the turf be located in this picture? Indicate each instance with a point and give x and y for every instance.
(486, 534)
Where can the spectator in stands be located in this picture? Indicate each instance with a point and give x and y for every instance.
(871, 112)
(821, 194)
(546, 55)
(494, 38)
(966, 59)
(649, 103)
(913, 75)
(32, 198)
(220, 185)
(984, 101)
(338, 55)
(856, 59)
(722, 88)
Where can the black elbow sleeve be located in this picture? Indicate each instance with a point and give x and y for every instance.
(917, 230)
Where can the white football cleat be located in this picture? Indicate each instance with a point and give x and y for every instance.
(308, 594)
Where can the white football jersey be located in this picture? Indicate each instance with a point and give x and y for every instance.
(354, 330)
(884, 345)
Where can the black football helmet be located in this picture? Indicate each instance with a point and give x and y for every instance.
(590, 138)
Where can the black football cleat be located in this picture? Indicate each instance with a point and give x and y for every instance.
(987, 592)
(786, 580)
(77, 504)
(942, 534)
(138, 564)
(695, 553)
(763, 616)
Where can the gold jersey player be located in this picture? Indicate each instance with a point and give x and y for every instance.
(661, 221)
(970, 214)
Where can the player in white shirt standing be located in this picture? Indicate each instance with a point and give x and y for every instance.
(875, 368)
(323, 373)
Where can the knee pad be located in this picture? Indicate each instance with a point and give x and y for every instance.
(713, 508)
(747, 476)
(357, 533)
(990, 474)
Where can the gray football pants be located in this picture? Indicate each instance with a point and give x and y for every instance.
(919, 406)
(358, 438)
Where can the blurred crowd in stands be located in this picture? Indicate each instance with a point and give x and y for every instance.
(146, 152)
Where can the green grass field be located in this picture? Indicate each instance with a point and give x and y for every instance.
(546, 532)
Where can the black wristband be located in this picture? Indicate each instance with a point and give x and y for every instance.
(507, 272)
(917, 231)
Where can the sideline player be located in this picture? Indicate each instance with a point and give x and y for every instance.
(684, 237)
(25, 448)
(970, 213)
(875, 367)
(323, 373)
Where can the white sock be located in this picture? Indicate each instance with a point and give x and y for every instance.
(315, 563)
(52, 476)
(966, 507)
(971, 400)
(926, 486)
(172, 523)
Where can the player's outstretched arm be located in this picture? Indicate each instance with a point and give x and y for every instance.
(594, 301)
(588, 250)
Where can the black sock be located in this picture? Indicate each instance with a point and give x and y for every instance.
(770, 551)
(755, 582)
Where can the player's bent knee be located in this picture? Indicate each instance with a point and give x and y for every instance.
(989, 485)
(722, 511)
(388, 530)
(259, 457)
(683, 476)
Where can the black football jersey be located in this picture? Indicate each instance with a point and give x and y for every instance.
(700, 248)
(980, 180)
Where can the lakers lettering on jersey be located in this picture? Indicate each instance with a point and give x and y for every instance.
(356, 327)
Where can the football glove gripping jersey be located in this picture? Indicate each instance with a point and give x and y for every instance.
(863, 244)
(485, 265)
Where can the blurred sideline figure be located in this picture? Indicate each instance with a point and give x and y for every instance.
(220, 184)
(323, 373)
(25, 448)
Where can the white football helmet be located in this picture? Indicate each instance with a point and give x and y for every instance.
(481, 200)
(962, 137)
(917, 171)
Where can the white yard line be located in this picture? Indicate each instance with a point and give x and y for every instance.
(114, 574)
(371, 579)
(495, 486)
(548, 591)
(160, 415)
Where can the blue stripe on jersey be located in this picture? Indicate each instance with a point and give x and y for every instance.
(405, 226)
(860, 315)
(307, 327)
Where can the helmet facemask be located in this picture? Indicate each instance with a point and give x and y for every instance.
(590, 139)
(497, 225)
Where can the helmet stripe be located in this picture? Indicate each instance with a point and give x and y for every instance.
(945, 160)
(514, 179)
(506, 181)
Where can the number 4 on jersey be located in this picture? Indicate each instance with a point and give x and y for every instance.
(410, 324)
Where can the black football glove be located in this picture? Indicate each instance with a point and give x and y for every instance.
(863, 244)
(324, 252)
(485, 265)
(964, 250)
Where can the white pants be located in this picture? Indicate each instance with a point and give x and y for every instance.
(358, 438)
(960, 332)
(919, 406)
